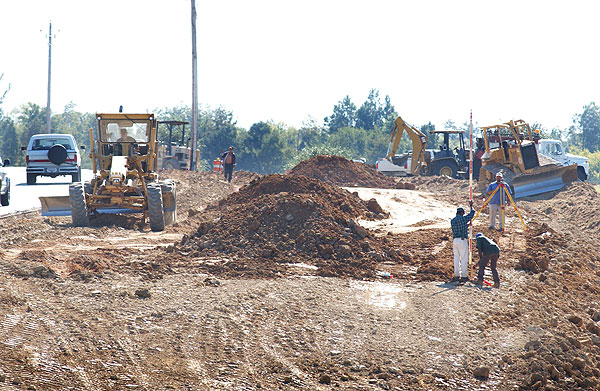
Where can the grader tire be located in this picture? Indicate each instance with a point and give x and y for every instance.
(155, 208)
(168, 190)
(79, 212)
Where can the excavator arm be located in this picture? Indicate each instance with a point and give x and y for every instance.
(419, 140)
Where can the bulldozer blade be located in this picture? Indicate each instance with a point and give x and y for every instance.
(544, 179)
(56, 206)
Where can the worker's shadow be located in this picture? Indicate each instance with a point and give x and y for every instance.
(448, 286)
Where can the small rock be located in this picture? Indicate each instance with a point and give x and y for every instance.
(360, 231)
(553, 372)
(344, 249)
(325, 379)
(143, 293)
(593, 328)
(596, 316)
(289, 217)
(43, 272)
(374, 206)
(532, 345)
(482, 372)
(212, 282)
(254, 225)
(535, 377)
(576, 320)
(579, 363)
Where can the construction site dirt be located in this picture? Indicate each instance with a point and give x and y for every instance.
(292, 282)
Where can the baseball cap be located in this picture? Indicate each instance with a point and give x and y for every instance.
(499, 174)
(479, 234)
(460, 209)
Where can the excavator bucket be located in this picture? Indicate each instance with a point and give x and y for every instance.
(56, 206)
(544, 179)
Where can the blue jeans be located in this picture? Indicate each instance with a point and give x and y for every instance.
(228, 170)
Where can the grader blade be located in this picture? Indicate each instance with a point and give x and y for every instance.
(56, 206)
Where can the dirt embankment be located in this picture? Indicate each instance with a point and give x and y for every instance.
(340, 171)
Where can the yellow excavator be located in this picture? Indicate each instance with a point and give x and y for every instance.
(398, 165)
(446, 161)
(510, 148)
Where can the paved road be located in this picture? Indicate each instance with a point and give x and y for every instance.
(25, 197)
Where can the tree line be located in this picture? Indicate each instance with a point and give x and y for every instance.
(267, 147)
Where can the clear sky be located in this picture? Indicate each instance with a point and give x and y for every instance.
(287, 61)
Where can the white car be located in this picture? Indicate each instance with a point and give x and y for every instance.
(52, 154)
(5, 184)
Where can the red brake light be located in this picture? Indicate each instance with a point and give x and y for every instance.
(26, 158)
(405, 165)
(75, 158)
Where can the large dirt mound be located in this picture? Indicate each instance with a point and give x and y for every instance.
(340, 171)
(283, 219)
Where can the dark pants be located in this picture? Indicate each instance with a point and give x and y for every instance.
(228, 170)
(493, 259)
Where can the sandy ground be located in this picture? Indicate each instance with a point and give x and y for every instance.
(409, 210)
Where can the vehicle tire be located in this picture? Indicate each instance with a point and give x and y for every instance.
(76, 177)
(155, 208)
(57, 154)
(169, 195)
(581, 174)
(88, 188)
(5, 198)
(31, 179)
(171, 165)
(447, 168)
(79, 212)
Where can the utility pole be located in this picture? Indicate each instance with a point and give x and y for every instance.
(48, 127)
(194, 91)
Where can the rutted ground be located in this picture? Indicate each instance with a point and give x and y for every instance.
(205, 305)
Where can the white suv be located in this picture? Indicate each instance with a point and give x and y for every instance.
(52, 154)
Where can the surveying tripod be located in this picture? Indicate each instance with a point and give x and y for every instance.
(504, 190)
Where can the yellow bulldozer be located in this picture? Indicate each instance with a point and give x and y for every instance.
(510, 148)
(124, 180)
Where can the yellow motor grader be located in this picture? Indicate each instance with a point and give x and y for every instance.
(123, 157)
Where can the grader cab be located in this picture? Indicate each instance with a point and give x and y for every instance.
(123, 154)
